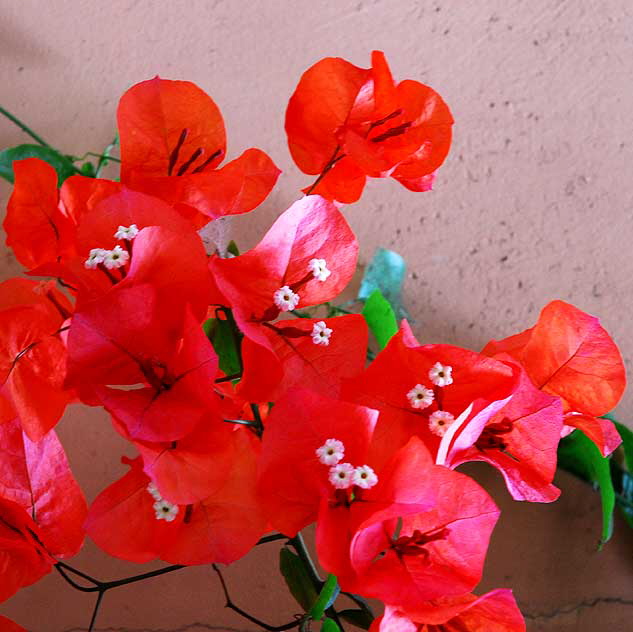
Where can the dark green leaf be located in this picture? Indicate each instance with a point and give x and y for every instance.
(359, 618)
(385, 272)
(297, 579)
(623, 485)
(232, 248)
(329, 625)
(60, 163)
(380, 318)
(580, 456)
(88, 170)
(326, 598)
(225, 338)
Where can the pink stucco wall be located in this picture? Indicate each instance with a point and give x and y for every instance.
(535, 202)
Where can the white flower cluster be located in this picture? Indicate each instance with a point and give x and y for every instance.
(163, 509)
(344, 475)
(115, 258)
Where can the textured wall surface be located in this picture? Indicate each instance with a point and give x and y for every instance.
(535, 202)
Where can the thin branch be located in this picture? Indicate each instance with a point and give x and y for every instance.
(271, 538)
(24, 127)
(95, 612)
(250, 617)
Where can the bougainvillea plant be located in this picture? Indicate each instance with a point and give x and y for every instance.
(250, 400)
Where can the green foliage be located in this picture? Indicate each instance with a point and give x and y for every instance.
(580, 456)
(380, 318)
(297, 579)
(225, 338)
(360, 618)
(329, 625)
(326, 598)
(62, 164)
(385, 272)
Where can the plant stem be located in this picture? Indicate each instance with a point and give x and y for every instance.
(24, 127)
(250, 617)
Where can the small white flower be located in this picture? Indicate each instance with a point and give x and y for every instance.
(364, 476)
(164, 510)
(341, 475)
(321, 333)
(420, 396)
(115, 258)
(440, 374)
(439, 422)
(127, 232)
(331, 452)
(319, 269)
(285, 299)
(154, 493)
(95, 257)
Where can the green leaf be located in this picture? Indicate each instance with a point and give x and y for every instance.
(380, 318)
(326, 598)
(580, 456)
(297, 578)
(623, 485)
(232, 248)
(385, 272)
(225, 338)
(329, 625)
(360, 618)
(60, 163)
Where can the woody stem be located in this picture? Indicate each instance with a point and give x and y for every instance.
(250, 617)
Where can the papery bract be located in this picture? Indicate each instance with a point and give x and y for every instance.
(404, 364)
(223, 527)
(37, 477)
(294, 359)
(347, 123)
(32, 355)
(6, 625)
(420, 533)
(495, 611)
(570, 355)
(172, 141)
(292, 480)
(312, 228)
(23, 558)
(38, 231)
(179, 392)
(520, 440)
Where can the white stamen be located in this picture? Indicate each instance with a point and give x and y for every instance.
(420, 396)
(364, 476)
(153, 490)
(440, 374)
(127, 232)
(285, 299)
(321, 333)
(319, 269)
(440, 421)
(116, 258)
(95, 257)
(164, 510)
(341, 475)
(331, 452)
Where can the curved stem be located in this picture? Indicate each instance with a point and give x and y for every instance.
(24, 127)
(250, 617)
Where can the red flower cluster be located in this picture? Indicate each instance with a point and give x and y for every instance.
(300, 430)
